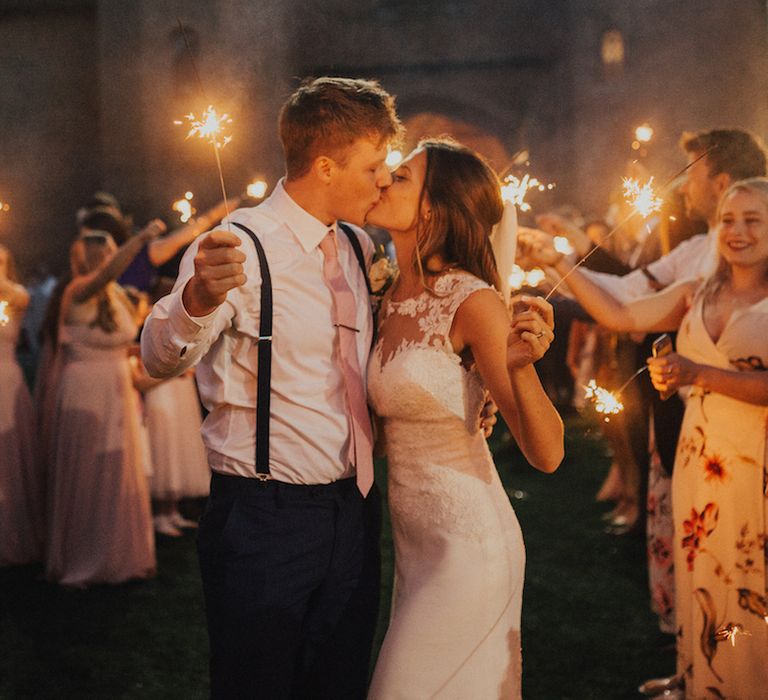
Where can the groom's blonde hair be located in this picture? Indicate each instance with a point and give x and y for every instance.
(326, 115)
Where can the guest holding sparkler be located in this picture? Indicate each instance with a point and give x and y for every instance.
(717, 159)
(100, 528)
(21, 484)
(718, 493)
(141, 273)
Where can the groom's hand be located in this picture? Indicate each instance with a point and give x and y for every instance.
(488, 415)
(218, 268)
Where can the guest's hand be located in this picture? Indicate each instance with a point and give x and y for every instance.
(531, 330)
(537, 248)
(670, 372)
(152, 230)
(218, 268)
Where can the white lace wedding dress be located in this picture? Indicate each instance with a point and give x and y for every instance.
(459, 556)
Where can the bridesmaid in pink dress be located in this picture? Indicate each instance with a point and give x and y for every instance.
(21, 490)
(100, 528)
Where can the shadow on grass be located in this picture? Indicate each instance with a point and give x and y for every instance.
(587, 628)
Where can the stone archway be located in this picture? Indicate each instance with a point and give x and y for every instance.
(431, 124)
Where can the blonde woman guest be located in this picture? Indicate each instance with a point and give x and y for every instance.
(719, 479)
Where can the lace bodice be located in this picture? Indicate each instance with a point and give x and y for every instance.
(414, 373)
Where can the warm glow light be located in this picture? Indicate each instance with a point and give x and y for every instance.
(394, 158)
(644, 133)
(604, 401)
(562, 245)
(514, 189)
(184, 207)
(4, 206)
(209, 127)
(642, 197)
(257, 189)
(4, 317)
(519, 278)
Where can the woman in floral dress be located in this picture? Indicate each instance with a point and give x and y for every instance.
(719, 479)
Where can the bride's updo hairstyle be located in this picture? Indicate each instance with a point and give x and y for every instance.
(464, 196)
(757, 186)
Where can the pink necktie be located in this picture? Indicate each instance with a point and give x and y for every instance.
(345, 319)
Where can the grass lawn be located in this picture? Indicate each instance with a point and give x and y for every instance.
(587, 628)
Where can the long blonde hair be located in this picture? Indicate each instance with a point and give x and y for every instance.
(722, 273)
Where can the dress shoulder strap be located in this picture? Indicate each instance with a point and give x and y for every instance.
(454, 288)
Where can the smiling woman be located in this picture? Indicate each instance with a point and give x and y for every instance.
(718, 489)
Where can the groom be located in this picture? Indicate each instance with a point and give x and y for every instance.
(288, 545)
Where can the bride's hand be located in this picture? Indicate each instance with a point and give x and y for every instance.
(531, 331)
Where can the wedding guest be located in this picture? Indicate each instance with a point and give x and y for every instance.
(718, 483)
(179, 461)
(21, 481)
(141, 274)
(100, 528)
(717, 158)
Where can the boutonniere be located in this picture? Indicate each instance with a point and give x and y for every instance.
(381, 274)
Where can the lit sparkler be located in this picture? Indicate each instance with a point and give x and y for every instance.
(634, 211)
(607, 402)
(514, 189)
(209, 127)
(642, 198)
(184, 207)
(256, 189)
(730, 632)
(4, 317)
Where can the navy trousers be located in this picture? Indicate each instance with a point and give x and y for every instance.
(291, 578)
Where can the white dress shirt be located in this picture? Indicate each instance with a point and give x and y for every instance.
(694, 257)
(309, 428)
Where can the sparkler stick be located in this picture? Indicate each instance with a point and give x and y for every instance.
(210, 128)
(636, 210)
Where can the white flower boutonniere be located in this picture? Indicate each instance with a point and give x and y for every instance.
(381, 274)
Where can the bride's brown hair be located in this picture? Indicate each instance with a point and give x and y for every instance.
(463, 195)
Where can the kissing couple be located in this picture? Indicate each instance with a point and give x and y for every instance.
(274, 309)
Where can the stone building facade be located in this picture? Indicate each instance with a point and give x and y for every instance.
(91, 89)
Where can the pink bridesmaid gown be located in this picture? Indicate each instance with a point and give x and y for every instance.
(100, 528)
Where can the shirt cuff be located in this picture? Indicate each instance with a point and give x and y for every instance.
(184, 325)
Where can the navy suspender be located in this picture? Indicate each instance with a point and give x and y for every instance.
(264, 368)
(263, 393)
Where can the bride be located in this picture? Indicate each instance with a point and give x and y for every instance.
(443, 338)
